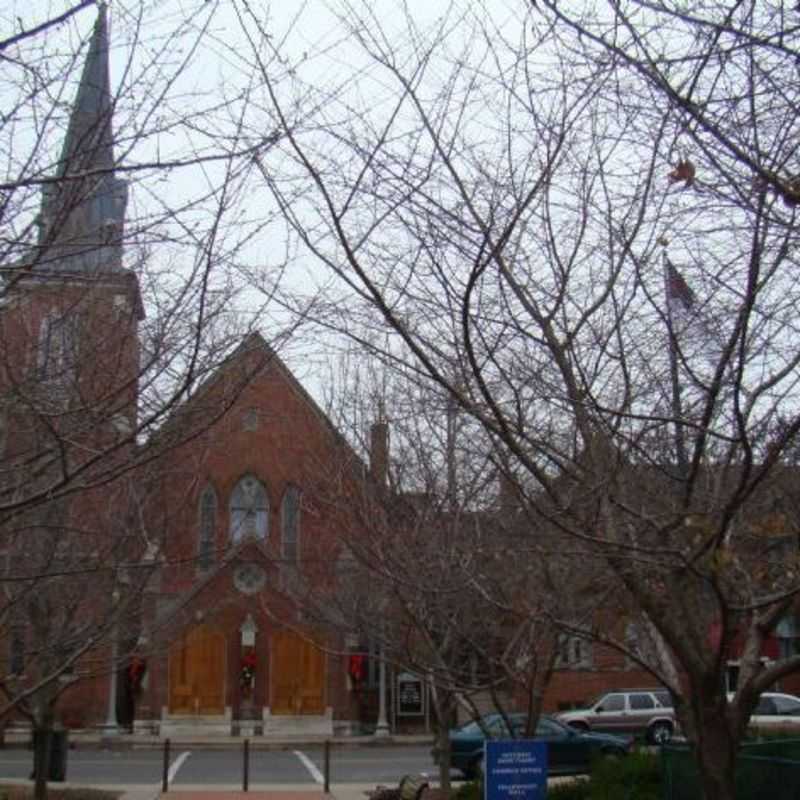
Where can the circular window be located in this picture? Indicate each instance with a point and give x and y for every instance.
(249, 578)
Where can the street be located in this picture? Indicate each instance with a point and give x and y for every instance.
(305, 765)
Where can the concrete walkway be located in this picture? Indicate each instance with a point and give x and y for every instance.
(350, 791)
(273, 793)
(258, 794)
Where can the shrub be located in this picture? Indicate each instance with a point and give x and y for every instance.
(636, 777)
(574, 790)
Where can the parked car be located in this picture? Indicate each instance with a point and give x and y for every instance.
(568, 750)
(640, 712)
(775, 710)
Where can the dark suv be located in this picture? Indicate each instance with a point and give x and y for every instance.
(646, 712)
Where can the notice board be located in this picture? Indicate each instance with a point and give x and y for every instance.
(515, 769)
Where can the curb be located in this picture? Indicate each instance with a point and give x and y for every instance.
(79, 742)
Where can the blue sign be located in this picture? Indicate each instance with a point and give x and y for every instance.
(515, 769)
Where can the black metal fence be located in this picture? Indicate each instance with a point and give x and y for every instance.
(768, 770)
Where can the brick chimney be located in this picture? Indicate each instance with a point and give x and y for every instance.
(379, 452)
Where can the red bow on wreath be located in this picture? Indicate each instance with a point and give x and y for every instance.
(248, 670)
(136, 670)
(357, 667)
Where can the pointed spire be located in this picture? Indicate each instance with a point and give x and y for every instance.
(89, 143)
(83, 214)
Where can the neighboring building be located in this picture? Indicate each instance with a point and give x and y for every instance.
(766, 537)
(588, 669)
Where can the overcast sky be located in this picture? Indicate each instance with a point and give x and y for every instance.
(197, 53)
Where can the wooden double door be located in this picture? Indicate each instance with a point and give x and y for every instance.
(197, 669)
(298, 675)
(197, 673)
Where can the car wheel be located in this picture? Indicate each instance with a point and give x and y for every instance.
(660, 733)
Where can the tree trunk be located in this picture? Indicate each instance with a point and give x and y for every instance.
(444, 710)
(443, 746)
(43, 719)
(42, 734)
(716, 751)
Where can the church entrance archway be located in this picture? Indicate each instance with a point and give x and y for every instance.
(197, 672)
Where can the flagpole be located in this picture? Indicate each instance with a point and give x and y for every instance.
(677, 405)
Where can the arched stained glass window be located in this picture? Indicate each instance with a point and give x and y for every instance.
(290, 523)
(57, 357)
(249, 510)
(207, 525)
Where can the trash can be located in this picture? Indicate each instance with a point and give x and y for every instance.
(59, 744)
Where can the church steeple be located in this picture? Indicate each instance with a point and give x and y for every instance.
(89, 143)
(83, 210)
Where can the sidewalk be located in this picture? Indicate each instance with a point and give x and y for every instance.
(78, 739)
(349, 791)
(255, 792)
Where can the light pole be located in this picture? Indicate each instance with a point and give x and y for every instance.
(382, 726)
(112, 725)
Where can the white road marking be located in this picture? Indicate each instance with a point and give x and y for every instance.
(310, 766)
(176, 765)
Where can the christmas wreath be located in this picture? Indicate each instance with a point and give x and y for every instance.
(136, 669)
(357, 668)
(248, 670)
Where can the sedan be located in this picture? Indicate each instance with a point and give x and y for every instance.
(775, 710)
(568, 751)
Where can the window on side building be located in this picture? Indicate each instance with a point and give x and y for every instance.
(206, 538)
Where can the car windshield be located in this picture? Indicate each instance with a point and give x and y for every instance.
(494, 724)
(786, 705)
(548, 726)
(470, 728)
(665, 698)
(595, 700)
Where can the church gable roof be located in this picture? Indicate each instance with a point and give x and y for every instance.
(254, 358)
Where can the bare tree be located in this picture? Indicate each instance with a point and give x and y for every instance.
(582, 227)
(123, 238)
(421, 572)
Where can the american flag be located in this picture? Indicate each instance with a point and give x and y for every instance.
(687, 324)
(680, 298)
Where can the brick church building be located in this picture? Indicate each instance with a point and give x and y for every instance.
(162, 579)
(234, 503)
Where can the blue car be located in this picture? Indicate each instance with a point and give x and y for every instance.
(569, 751)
